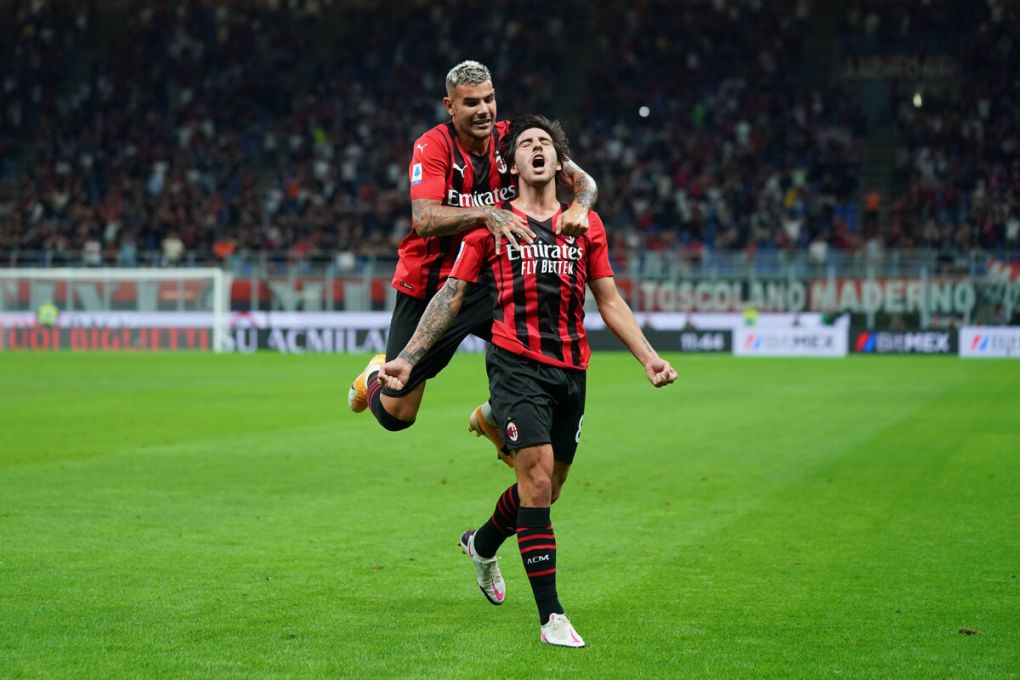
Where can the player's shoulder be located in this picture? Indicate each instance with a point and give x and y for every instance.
(437, 131)
(502, 127)
(433, 140)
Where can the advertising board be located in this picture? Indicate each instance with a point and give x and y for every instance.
(990, 342)
(904, 342)
(822, 341)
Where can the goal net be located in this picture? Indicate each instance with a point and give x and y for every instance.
(110, 309)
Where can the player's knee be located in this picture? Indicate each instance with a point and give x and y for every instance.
(396, 425)
(539, 488)
(391, 422)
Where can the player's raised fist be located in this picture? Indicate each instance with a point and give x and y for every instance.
(659, 372)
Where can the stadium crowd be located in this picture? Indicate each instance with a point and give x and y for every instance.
(712, 142)
(959, 159)
(911, 25)
(221, 129)
(203, 129)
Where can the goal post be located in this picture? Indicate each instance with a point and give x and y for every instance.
(137, 298)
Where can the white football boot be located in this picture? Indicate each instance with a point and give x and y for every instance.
(558, 631)
(490, 581)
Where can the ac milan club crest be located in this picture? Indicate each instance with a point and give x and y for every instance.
(511, 432)
(500, 164)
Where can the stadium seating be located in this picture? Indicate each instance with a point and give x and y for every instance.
(207, 131)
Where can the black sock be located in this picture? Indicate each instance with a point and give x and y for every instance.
(537, 543)
(500, 526)
(373, 394)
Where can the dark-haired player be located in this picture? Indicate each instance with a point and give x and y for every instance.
(537, 364)
(458, 180)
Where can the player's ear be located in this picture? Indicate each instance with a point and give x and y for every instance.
(448, 103)
(513, 169)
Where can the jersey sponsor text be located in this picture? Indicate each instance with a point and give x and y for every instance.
(545, 258)
(465, 200)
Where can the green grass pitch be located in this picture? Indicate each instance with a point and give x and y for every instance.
(177, 516)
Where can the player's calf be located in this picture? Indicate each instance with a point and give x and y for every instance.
(501, 525)
(385, 418)
(537, 544)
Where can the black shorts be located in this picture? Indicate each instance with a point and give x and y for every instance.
(536, 403)
(475, 318)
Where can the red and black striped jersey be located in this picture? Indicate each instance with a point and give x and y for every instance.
(443, 170)
(540, 288)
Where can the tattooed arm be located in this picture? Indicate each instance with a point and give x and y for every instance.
(439, 313)
(574, 221)
(432, 218)
(581, 183)
(621, 321)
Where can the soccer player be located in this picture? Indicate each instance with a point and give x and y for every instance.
(537, 363)
(458, 182)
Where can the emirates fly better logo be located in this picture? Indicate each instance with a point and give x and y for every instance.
(545, 258)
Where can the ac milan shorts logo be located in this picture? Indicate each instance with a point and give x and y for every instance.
(511, 432)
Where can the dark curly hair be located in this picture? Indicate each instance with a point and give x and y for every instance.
(508, 145)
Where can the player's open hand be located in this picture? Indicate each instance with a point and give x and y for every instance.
(659, 372)
(506, 224)
(572, 222)
(395, 374)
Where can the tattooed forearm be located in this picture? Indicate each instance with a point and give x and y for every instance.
(434, 323)
(585, 190)
(431, 218)
(648, 345)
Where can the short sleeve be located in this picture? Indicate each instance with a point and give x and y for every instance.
(598, 257)
(472, 256)
(429, 166)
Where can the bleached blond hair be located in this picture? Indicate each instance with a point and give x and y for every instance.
(468, 72)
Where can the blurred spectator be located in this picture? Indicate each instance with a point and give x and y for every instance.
(92, 253)
(173, 250)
